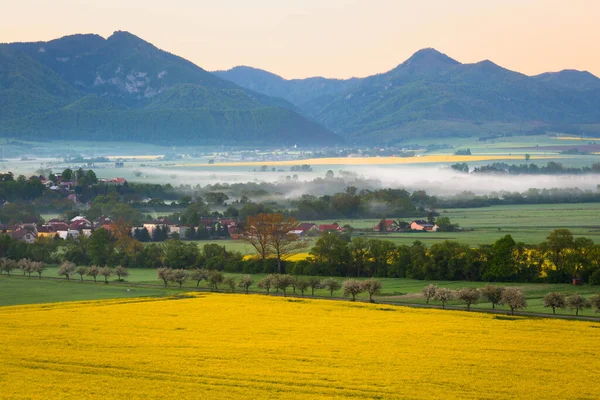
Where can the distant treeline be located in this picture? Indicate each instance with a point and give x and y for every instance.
(551, 168)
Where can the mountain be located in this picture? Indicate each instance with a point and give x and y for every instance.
(124, 88)
(433, 95)
(571, 79)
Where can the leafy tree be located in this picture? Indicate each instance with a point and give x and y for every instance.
(67, 175)
(555, 300)
(559, 246)
(314, 283)
(26, 266)
(265, 284)
(330, 284)
(371, 286)
(444, 225)
(106, 272)
(469, 296)
(283, 282)
(66, 269)
(121, 272)
(246, 282)
(493, 294)
(101, 247)
(178, 276)
(352, 287)
(81, 271)
(444, 295)
(216, 198)
(215, 278)
(229, 283)
(164, 273)
(303, 285)
(332, 250)
(198, 275)
(501, 266)
(429, 292)
(38, 267)
(595, 302)
(8, 265)
(93, 271)
(577, 302)
(513, 298)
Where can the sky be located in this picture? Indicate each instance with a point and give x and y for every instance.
(331, 38)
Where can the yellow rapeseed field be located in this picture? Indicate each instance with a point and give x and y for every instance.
(257, 347)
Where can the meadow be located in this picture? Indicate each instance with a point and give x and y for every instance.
(238, 346)
(18, 289)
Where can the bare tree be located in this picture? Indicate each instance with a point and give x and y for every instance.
(469, 296)
(106, 272)
(246, 282)
(314, 283)
(215, 278)
(555, 300)
(38, 267)
(81, 271)
(164, 273)
(513, 298)
(371, 286)
(577, 302)
(595, 302)
(302, 285)
(121, 272)
(283, 282)
(282, 242)
(198, 275)
(66, 269)
(93, 271)
(352, 287)
(265, 283)
(444, 295)
(493, 294)
(178, 276)
(257, 233)
(229, 283)
(331, 284)
(429, 292)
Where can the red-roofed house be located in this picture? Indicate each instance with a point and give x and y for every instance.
(330, 227)
(389, 226)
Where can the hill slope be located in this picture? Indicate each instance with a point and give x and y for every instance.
(123, 88)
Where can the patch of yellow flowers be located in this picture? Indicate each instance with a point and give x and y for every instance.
(258, 347)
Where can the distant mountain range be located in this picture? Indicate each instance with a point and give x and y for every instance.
(431, 94)
(123, 88)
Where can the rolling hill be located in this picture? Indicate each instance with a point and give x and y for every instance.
(431, 94)
(124, 88)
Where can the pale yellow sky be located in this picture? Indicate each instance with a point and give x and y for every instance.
(332, 38)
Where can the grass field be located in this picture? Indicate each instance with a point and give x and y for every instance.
(18, 289)
(238, 346)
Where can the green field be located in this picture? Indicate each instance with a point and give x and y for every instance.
(18, 289)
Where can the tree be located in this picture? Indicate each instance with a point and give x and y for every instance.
(93, 271)
(38, 267)
(469, 296)
(555, 300)
(8, 265)
(429, 292)
(444, 225)
(66, 269)
(595, 302)
(493, 294)
(371, 286)
(314, 283)
(164, 273)
(257, 234)
(527, 156)
(106, 272)
(444, 295)
(67, 175)
(246, 282)
(303, 285)
(121, 272)
(198, 275)
(283, 282)
(101, 247)
(265, 283)
(577, 302)
(229, 282)
(559, 246)
(513, 298)
(330, 284)
(81, 271)
(26, 266)
(352, 287)
(178, 276)
(332, 250)
(359, 251)
(215, 278)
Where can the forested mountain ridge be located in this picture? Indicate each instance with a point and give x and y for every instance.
(124, 88)
(432, 94)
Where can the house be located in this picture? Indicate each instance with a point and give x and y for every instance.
(46, 231)
(159, 223)
(114, 181)
(4, 228)
(330, 227)
(307, 227)
(25, 234)
(421, 225)
(389, 225)
(58, 225)
(80, 224)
